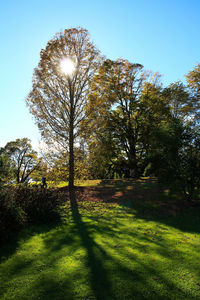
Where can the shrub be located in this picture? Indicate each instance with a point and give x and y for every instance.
(40, 205)
(175, 157)
(12, 216)
(20, 205)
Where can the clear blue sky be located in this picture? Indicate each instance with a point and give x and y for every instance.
(162, 35)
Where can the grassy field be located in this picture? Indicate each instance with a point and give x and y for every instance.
(123, 239)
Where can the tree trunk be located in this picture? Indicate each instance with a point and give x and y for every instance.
(133, 164)
(71, 142)
(18, 179)
(71, 158)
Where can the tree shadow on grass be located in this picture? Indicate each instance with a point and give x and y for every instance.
(132, 281)
(151, 201)
(108, 261)
(99, 280)
(33, 276)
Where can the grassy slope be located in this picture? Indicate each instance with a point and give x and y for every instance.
(131, 246)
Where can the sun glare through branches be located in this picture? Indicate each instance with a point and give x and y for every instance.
(67, 66)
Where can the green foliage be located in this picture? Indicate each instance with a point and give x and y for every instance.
(127, 107)
(12, 216)
(7, 168)
(125, 104)
(193, 79)
(180, 101)
(39, 205)
(40, 171)
(190, 163)
(20, 205)
(59, 165)
(57, 100)
(175, 156)
(23, 157)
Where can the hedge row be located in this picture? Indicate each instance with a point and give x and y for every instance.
(22, 205)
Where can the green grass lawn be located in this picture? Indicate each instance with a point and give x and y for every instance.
(61, 184)
(116, 243)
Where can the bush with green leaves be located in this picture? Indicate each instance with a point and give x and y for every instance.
(21, 205)
(175, 156)
(39, 205)
(12, 216)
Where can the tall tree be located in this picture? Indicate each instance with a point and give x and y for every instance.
(23, 156)
(175, 155)
(180, 101)
(127, 102)
(61, 86)
(193, 80)
(7, 167)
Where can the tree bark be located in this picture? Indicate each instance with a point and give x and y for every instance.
(71, 142)
(71, 158)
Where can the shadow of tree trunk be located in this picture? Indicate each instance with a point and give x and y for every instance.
(99, 281)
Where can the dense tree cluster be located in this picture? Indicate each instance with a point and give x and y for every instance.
(112, 119)
(136, 127)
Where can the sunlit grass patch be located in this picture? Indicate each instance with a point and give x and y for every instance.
(61, 184)
(106, 250)
(87, 182)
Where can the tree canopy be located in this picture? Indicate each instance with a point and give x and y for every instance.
(58, 95)
(24, 159)
(125, 103)
(111, 117)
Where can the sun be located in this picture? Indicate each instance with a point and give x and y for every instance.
(67, 66)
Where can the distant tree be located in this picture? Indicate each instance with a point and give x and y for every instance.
(180, 101)
(23, 157)
(103, 155)
(58, 165)
(61, 87)
(40, 171)
(7, 167)
(175, 155)
(190, 162)
(193, 80)
(59, 170)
